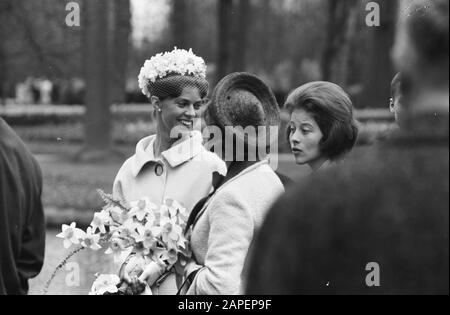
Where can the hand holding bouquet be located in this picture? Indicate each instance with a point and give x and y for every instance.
(154, 235)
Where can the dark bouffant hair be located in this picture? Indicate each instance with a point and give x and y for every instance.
(332, 110)
(172, 86)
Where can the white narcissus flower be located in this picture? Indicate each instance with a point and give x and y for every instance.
(164, 212)
(177, 210)
(118, 215)
(71, 235)
(141, 208)
(128, 230)
(170, 255)
(147, 235)
(116, 248)
(101, 219)
(104, 284)
(91, 240)
(171, 232)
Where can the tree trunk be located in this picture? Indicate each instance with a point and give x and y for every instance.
(120, 43)
(241, 35)
(340, 15)
(265, 40)
(343, 63)
(2, 61)
(2, 73)
(180, 23)
(98, 117)
(225, 11)
(330, 47)
(380, 70)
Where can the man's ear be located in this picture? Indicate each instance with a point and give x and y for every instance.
(392, 105)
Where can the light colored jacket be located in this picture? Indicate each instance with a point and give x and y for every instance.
(186, 177)
(226, 226)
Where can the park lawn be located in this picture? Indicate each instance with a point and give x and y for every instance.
(70, 188)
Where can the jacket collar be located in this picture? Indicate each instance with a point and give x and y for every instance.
(181, 152)
(235, 170)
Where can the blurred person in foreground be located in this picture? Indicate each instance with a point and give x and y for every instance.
(22, 226)
(390, 208)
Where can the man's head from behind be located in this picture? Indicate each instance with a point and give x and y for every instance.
(421, 51)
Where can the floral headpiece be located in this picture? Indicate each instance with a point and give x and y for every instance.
(178, 61)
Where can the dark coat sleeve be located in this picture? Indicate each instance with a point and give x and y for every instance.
(32, 249)
(22, 224)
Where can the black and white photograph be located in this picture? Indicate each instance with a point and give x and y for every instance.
(246, 149)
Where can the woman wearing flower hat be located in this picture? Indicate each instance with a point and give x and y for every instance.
(224, 225)
(172, 164)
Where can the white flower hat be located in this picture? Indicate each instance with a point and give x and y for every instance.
(176, 62)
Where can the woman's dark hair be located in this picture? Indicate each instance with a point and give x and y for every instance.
(172, 86)
(332, 110)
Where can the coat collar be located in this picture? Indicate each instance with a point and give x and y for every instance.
(235, 170)
(181, 152)
(238, 169)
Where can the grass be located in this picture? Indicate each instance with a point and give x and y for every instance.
(70, 185)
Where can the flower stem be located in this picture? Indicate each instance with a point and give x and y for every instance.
(110, 200)
(60, 266)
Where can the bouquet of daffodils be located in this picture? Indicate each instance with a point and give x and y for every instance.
(154, 235)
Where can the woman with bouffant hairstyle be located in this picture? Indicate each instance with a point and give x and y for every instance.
(322, 128)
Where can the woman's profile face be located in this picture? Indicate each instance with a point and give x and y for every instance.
(181, 114)
(304, 137)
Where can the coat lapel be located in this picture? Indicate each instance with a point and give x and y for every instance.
(235, 170)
